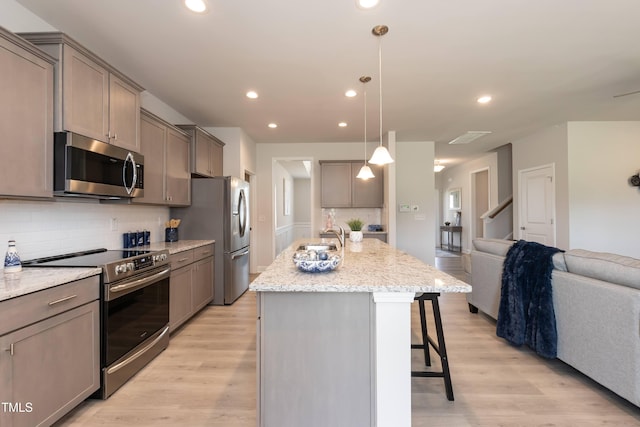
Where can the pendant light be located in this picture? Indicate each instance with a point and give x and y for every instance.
(365, 171)
(381, 155)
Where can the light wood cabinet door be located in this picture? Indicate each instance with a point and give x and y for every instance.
(91, 98)
(152, 147)
(202, 155)
(85, 95)
(124, 114)
(216, 158)
(336, 185)
(167, 180)
(178, 176)
(50, 366)
(369, 193)
(206, 152)
(341, 188)
(26, 120)
(180, 296)
(202, 283)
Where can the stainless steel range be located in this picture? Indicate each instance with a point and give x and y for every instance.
(134, 309)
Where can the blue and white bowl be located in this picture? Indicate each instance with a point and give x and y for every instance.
(314, 262)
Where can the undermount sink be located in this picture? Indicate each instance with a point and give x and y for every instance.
(318, 247)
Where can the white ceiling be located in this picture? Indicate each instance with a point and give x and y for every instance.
(544, 62)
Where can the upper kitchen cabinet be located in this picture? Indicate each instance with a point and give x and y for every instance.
(91, 97)
(206, 152)
(341, 188)
(26, 119)
(167, 177)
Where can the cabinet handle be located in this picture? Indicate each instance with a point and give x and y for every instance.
(206, 252)
(183, 259)
(10, 349)
(58, 301)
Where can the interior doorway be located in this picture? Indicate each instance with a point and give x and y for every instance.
(292, 195)
(480, 202)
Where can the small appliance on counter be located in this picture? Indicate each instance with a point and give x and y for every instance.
(374, 227)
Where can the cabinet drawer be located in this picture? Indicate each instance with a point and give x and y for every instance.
(181, 259)
(18, 312)
(202, 252)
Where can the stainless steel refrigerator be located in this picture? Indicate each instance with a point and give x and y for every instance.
(220, 210)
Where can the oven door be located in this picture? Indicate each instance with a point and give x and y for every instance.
(134, 311)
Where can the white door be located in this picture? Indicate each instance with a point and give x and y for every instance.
(537, 205)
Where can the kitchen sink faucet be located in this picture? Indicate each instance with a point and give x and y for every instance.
(339, 235)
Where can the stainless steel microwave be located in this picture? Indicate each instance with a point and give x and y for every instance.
(90, 168)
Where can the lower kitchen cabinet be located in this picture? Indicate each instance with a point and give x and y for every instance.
(52, 362)
(191, 284)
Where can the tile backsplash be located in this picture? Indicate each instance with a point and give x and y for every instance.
(342, 215)
(43, 228)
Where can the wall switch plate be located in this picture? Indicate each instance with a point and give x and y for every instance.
(114, 224)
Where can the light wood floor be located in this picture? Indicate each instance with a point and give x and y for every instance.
(207, 377)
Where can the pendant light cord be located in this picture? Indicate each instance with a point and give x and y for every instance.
(364, 91)
(380, 81)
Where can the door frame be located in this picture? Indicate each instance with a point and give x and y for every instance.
(552, 202)
(473, 209)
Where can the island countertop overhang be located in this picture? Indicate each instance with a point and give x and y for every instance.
(367, 266)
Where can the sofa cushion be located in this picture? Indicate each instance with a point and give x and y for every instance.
(493, 246)
(604, 266)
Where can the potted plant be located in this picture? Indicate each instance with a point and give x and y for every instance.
(355, 225)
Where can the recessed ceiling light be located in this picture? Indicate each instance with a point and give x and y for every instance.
(252, 94)
(272, 125)
(342, 124)
(198, 6)
(484, 99)
(367, 4)
(350, 93)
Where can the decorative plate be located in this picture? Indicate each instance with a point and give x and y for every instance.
(316, 262)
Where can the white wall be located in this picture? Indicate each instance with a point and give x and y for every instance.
(604, 207)
(546, 147)
(239, 150)
(301, 198)
(415, 186)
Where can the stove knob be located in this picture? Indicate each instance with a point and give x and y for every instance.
(122, 268)
(130, 266)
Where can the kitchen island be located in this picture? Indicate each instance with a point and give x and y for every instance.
(334, 348)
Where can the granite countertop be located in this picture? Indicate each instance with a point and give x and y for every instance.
(31, 280)
(36, 279)
(369, 266)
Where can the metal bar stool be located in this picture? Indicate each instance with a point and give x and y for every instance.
(427, 341)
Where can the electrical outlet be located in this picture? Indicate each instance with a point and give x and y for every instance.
(114, 224)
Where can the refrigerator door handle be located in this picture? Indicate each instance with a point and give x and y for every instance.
(240, 255)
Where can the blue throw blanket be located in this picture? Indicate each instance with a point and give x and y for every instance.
(526, 314)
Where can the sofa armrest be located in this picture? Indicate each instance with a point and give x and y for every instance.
(486, 282)
(598, 327)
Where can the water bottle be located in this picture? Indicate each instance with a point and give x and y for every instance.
(12, 262)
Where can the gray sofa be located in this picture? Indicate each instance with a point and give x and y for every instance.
(596, 299)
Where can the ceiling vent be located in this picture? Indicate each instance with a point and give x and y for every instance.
(466, 138)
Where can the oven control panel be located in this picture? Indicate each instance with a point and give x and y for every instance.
(141, 262)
